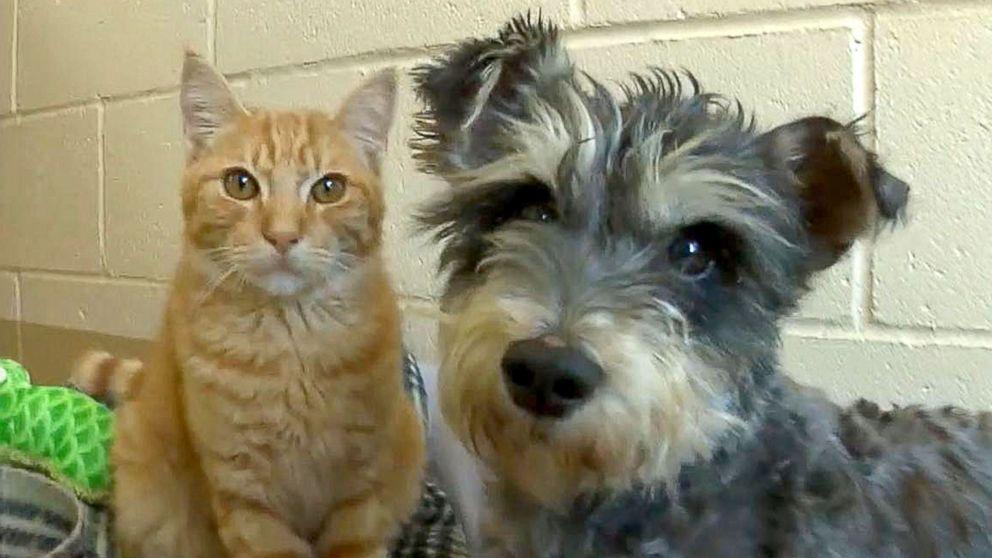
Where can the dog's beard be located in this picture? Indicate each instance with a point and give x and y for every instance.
(663, 403)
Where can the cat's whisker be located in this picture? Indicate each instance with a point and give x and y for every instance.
(330, 315)
(325, 261)
(303, 316)
(216, 282)
(227, 255)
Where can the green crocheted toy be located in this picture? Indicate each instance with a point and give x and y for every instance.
(57, 430)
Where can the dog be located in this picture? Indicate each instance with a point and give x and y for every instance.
(616, 270)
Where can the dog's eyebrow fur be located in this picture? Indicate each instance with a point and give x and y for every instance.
(554, 122)
(496, 106)
(678, 155)
(690, 155)
(680, 136)
(462, 218)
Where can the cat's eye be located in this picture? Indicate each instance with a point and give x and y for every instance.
(329, 188)
(240, 184)
(542, 213)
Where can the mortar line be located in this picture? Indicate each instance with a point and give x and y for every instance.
(13, 56)
(18, 317)
(392, 57)
(861, 284)
(578, 12)
(863, 80)
(742, 24)
(924, 8)
(361, 61)
(31, 114)
(212, 31)
(911, 336)
(89, 277)
(713, 26)
(810, 13)
(99, 329)
(101, 173)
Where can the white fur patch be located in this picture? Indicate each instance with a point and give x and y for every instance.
(281, 283)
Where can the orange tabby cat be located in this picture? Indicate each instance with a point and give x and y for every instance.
(271, 420)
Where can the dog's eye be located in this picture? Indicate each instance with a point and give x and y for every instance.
(690, 257)
(541, 213)
(698, 250)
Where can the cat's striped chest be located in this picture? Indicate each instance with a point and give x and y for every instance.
(277, 418)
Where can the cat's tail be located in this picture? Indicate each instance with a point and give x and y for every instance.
(106, 377)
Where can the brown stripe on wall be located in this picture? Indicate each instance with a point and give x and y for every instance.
(8, 339)
(50, 352)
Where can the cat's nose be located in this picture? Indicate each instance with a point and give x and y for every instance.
(282, 240)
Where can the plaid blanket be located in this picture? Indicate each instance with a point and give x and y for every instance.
(40, 518)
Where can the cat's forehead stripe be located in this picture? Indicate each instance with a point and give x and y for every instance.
(288, 138)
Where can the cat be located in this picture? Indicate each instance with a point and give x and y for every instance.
(270, 419)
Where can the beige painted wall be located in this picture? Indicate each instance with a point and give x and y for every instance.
(90, 153)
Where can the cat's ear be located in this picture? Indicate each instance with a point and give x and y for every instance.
(367, 114)
(207, 102)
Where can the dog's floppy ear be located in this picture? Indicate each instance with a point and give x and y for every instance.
(843, 190)
(479, 85)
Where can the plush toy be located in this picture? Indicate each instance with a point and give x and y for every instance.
(57, 430)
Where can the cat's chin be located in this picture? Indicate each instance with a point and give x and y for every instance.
(280, 283)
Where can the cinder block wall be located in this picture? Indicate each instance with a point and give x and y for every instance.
(90, 154)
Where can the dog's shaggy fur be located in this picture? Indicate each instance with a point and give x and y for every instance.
(661, 237)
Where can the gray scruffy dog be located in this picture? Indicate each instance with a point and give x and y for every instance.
(617, 270)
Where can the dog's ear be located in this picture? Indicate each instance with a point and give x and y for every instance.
(843, 190)
(479, 86)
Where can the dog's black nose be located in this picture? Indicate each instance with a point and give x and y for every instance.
(549, 380)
